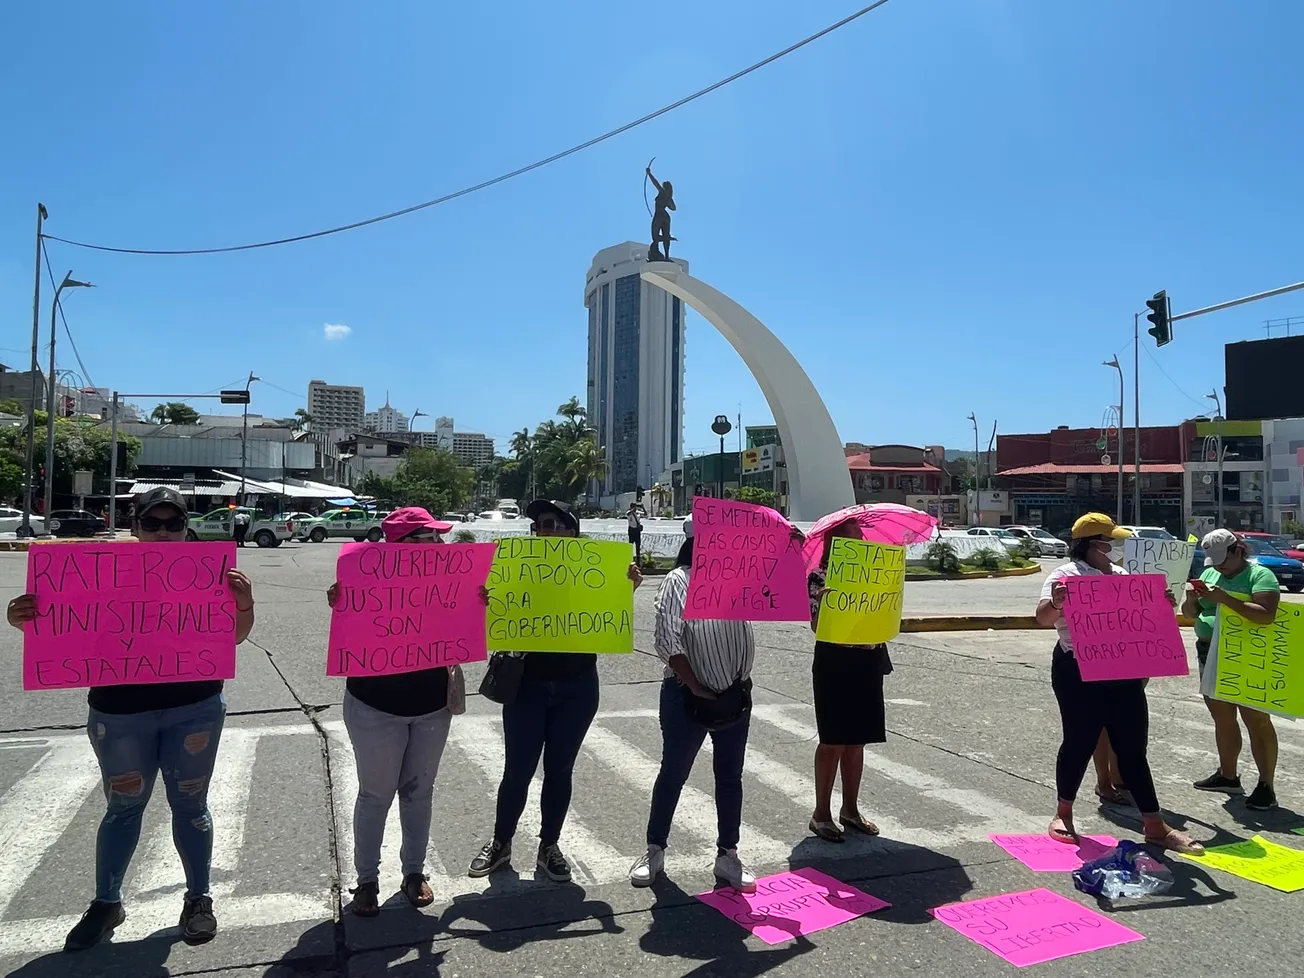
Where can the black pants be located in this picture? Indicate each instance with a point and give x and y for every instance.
(238, 533)
(1119, 708)
(636, 538)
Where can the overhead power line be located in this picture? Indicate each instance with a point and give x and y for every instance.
(487, 183)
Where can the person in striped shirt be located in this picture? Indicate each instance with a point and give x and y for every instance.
(706, 691)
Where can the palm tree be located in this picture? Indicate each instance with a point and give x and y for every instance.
(302, 419)
(576, 424)
(521, 443)
(585, 464)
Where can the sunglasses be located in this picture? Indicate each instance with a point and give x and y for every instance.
(421, 536)
(152, 524)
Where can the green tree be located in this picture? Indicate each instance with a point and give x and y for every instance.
(174, 412)
(10, 406)
(434, 479)
(11, 477)
(77, 445)
(755, 495)
(302, 420)
(585, 463)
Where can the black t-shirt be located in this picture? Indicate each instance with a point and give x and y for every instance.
(404, 694)
(144, 697)
(558, 665)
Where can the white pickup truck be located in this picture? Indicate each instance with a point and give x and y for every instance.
(219, 525)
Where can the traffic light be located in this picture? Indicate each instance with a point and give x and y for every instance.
(1162, 331)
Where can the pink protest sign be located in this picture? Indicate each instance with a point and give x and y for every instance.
(746, 565)
(403, 607)
(790, 905)
(1123, 627)
(1033, 926)
(1042, 854)
(115, 613)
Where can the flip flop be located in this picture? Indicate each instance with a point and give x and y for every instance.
(826, 831)
(1067, 835)
(1177, 842)
(858, 824)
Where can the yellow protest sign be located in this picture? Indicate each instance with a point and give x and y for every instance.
(1262, 666)
(1259, 861)
(866, 582)
(560, 594)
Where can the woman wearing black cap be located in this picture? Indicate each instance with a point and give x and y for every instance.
(1118, 707)
(140, 731)
(550, 713)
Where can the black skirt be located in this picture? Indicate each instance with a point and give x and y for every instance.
(848, 683)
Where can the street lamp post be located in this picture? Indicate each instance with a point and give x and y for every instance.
(1119, 367)
(721, 426)
(1136, 418)
(1219, 449)
(25, 530)
(977, 494)
(244, 439)
(68, 283)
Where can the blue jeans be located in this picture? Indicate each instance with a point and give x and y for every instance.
(132, 749)
(681, 739)
(549, 717)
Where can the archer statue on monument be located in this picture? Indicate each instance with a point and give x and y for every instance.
(659, 250)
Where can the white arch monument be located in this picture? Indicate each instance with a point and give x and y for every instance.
(819, 481)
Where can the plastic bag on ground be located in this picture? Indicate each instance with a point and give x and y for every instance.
(1127, 870)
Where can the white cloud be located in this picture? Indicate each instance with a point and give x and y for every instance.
(335, 331)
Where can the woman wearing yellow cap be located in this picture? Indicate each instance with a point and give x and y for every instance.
(1118, 707)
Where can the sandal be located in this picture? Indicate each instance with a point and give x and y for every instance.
(1176, 841)
(417, 890)
(826, 831)
(1064, 832)
(366, 899)
(857, 823)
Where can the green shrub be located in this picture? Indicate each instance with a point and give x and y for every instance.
(464, 536)
(941, 557)
(1293, 529)
(986, 559)
(1028, 549)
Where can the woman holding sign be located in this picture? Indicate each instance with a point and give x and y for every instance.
(849, 710)
(1118, 707)
(398, 725)
(140, 731)
(707, 690)
(1246, 589)
(548, 705)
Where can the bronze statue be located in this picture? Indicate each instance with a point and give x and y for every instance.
(665, 203)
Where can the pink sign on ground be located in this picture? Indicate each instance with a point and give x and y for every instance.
(788, 905)
(403, 607)
(746, 564)
(115, 613)
(1123, 627)
(1033, 926)
(1042, 854)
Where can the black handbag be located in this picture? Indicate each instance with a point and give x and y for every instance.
(502, 680)
(727, 709)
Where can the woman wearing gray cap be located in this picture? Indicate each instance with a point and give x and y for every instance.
(546, 714)
(1230, 579)
(141, 731)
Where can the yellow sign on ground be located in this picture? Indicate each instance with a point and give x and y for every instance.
(1262, 666)
(560, 594)
(1259, 861)
(866, 582)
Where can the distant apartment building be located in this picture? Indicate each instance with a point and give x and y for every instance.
(336, 406)
(386, 420)
(473, 449)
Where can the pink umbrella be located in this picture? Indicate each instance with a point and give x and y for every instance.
(889, 523)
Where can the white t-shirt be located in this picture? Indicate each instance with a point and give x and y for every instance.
(634, 522)
(1074, 568)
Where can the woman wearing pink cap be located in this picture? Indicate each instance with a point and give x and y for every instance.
(398, 725)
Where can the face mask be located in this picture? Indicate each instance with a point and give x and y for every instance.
(1116, 552)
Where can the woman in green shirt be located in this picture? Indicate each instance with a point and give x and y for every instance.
(1251, 591)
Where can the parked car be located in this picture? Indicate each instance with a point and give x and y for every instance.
(1051, 546)
(998, 535)
(1290, 548)
(219, 525)
(11, 519)
(74, 523)
(353, 524)
(1149, 532)
(304, 527)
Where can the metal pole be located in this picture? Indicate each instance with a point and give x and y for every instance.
(721, 493)
(1121, 436)
(49, 407)
(1219, 447)
(113, 469)
(1136, 418)
(977, 493)
(26, 529)
(244, 440)
(1238, 302)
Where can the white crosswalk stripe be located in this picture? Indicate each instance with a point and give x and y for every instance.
(50, 805)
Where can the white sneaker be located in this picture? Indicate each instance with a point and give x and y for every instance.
(730, 868)
(648, 866)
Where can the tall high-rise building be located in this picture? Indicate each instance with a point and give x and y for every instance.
(636, 368)
(386, 420)
(333, 406)
(473, 449)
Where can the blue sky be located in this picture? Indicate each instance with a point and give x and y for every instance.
(947, 206)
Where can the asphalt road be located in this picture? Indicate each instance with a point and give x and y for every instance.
(971, 752)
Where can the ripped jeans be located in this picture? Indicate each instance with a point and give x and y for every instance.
(132, 749)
